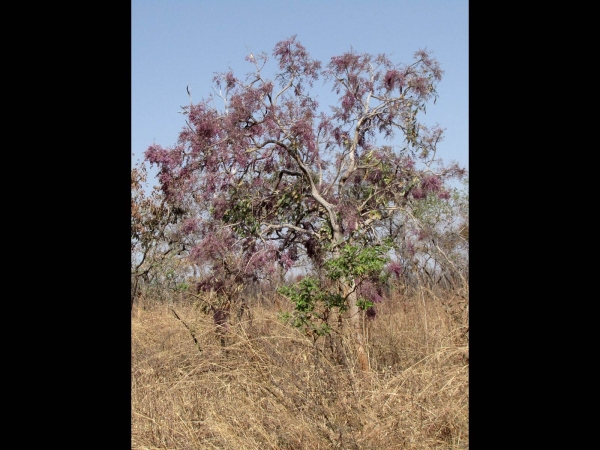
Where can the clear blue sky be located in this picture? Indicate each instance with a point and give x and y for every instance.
(179, 43)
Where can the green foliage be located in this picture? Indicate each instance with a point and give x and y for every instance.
(242, 216)
(182, 287)
(313, 303)
(312, 306)
(363, 303)
(357, 263)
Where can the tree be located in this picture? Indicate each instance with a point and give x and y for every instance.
(273, 178)
(151, 219)
(431, 241)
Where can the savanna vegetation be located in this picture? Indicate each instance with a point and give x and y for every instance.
(300, 274)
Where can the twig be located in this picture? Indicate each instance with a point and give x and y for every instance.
(188, 328)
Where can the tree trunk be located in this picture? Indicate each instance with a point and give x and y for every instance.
(349, 292)
(355, 324)
(134, 292)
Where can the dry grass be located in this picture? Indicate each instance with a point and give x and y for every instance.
(270, 387)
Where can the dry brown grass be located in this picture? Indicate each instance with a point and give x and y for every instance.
(270, 387)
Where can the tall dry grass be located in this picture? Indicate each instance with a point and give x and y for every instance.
(271, 387)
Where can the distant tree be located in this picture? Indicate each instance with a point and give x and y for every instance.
(432, 241)
(152, 221)
(268, 177)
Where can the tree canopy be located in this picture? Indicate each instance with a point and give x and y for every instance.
(263, 177)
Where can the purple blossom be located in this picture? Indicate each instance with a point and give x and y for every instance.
(371, 313)
(423, 235)
(230, 80)
(410, 247)
(395, 268)
(190, 225)
(444, 195)
(393, 78)
(418, 193)
(431, 183)
(286, 261)
(371, 291)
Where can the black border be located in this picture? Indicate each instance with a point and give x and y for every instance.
(75, 361)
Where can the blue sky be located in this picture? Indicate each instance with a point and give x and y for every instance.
(179, 43)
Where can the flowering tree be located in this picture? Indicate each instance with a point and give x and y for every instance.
(432, 246)
(274, 179)
(150, 220)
